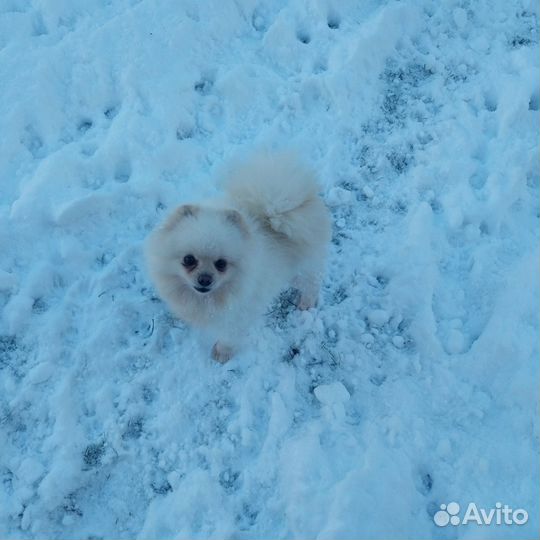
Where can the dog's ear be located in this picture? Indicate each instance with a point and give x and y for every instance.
(180, 213)
(234, 217)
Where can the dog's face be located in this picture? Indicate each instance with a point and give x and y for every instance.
(206, 248)
(205, 273)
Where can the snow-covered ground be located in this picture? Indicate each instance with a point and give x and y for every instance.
(415, 382)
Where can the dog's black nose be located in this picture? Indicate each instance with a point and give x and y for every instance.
(205, 280)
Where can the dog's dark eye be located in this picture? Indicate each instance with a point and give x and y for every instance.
(221, 265)
(189, 261)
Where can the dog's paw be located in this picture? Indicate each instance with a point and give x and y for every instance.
(222, 353)
(306, 301)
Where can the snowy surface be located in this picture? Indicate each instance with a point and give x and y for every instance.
(415, 382)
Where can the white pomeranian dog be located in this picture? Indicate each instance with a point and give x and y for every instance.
(219, 264)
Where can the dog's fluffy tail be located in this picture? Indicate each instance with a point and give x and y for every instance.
(280, 192)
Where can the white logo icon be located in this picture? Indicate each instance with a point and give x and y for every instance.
(447, 514)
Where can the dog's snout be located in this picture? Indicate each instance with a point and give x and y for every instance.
(205, 280)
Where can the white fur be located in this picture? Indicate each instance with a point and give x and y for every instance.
(272, 229)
